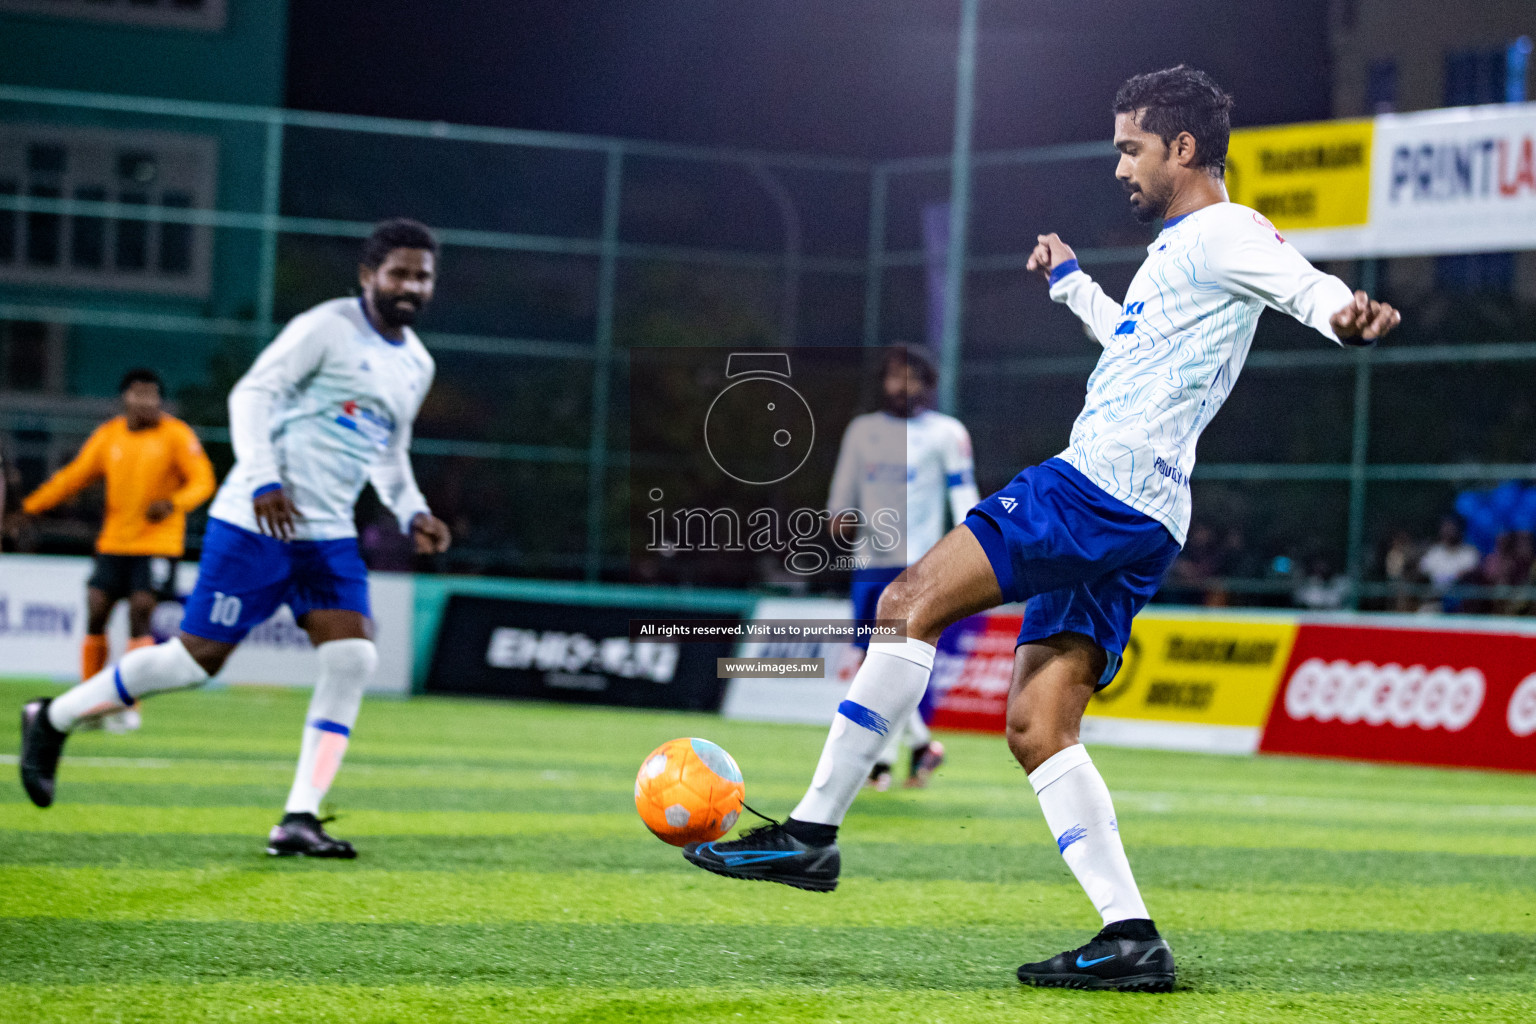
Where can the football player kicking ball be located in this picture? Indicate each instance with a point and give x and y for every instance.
(1086, 536)
(325, 409)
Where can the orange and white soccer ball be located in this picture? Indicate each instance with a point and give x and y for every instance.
(689, 791)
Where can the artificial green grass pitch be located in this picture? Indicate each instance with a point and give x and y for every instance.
(504, 876)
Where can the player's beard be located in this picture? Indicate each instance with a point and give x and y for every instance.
(395, 310)
(1154, 201)
(904, 407)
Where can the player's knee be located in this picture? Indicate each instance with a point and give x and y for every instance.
(904, 601)
(1033, 740)
(348, 664)
(894, 601)
(209, 654)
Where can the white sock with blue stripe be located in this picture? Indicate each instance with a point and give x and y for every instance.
(1081, 816)
(886, 690)
(345, 668)
(147, 670)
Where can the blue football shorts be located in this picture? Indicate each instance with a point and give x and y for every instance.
(244, 577)
(1083, 561)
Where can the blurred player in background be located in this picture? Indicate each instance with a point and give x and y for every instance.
(1086, 537)
(936, 476)
(155, 472)
(325, 409)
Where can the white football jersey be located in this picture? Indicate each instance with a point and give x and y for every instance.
(1174, 348)
(916, 468)
(326, 408)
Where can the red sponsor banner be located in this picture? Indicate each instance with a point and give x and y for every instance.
(971, 672)
(1419, 696)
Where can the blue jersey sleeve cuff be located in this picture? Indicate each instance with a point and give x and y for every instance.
(1063, 269)
(266, 489)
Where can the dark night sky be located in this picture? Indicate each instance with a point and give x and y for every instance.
(860, 77)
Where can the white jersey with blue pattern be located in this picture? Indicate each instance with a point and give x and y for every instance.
(325, 409)
(1174, 348)
(910, 471)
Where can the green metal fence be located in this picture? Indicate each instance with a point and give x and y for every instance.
(845, 265)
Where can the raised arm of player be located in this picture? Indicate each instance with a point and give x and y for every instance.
(293, 356)
(960, 474)
(70, 479)
(1254, 260)
(1054, 260)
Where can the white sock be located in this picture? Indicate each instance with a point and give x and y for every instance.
(885, 691)
(1082, 818)
(345, 668)
(147, 670)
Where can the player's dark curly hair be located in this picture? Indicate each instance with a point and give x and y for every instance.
(399, 233)
(140, 375)
(1182, 99)
(915, 356)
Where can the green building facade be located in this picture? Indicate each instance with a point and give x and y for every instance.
(115, 275)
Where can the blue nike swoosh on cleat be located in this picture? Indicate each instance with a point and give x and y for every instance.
(747, 857)
(1089, 963)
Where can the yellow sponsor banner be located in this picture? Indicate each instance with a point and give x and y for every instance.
(1304, 176)
(1201, 670)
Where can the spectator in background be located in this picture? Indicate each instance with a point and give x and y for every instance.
(1449, 561)
(1322, 589)
(1507, 565)
(1525, 554)
(1525, 550)
(1500, 566)
(1400, 565)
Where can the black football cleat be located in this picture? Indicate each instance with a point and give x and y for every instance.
(770, 854)
(41, 745)
(1110, 960)
(304, 835)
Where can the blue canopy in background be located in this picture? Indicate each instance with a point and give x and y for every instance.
(1510, 506)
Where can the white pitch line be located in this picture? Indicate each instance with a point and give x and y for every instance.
(545, 775)
(109, 762)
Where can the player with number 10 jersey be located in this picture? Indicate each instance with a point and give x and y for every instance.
(326, 409)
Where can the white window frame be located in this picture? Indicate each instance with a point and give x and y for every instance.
(186, 164)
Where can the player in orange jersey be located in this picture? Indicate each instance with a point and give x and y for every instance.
(155, 473)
